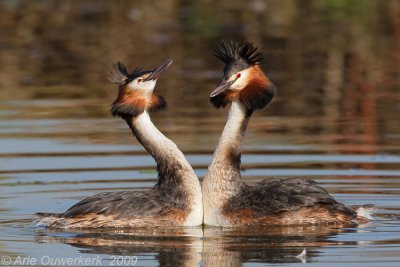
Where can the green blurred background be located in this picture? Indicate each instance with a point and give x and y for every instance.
(336, 60)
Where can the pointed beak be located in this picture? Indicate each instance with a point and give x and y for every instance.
(222, 87)
(158, 71)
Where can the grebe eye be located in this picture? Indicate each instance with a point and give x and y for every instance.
(238, 75)
(139, 80)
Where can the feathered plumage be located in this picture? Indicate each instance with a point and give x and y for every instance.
(175, 200)
(133, 103)
(227, 200)
(259, 90)
(119, 75)
(231, 51)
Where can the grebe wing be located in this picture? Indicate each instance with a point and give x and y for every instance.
(274, 195)
(121, 205)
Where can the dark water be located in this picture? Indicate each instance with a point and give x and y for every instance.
(336, 120)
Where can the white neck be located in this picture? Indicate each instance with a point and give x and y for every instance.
(223, 179)
(173, 168)
(156, 143)
(233, 133)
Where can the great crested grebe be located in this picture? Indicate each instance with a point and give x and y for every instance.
(175, 200)
(227, 200)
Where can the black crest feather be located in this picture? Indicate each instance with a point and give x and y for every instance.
(119, 75)
(231, 51)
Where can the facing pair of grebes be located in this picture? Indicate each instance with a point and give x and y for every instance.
(223, 199)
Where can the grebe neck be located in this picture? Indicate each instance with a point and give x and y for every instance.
(172, 165)
(223, 180)
(176, 178)
(225, 165)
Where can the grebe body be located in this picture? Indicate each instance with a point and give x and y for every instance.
(175, 200)
(227, 200)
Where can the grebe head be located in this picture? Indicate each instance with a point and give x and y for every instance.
(243, 79)
(135, 90)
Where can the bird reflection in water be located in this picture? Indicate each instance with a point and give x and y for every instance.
(209, 246)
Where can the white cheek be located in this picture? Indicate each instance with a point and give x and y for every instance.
(149, 85)
(238, 85)
(241, 82)
(146, 87)
(132, 85)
